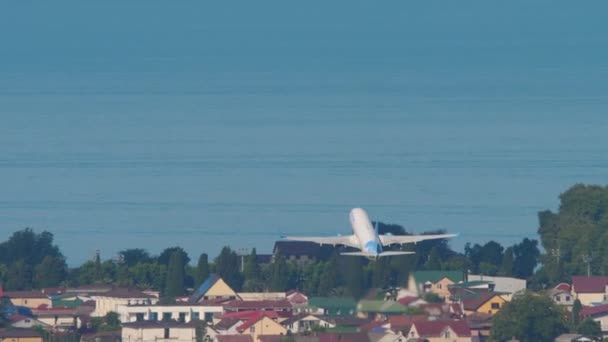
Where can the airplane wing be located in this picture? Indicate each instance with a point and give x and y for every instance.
(346, 240)
(401, 239)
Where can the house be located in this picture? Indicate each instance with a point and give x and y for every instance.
(421, 282)
(168, 331)
(589, 290)
(434, 331)
(261, 324)
(379, 309)
(561, 295)
(505, 285)
(443, 310)
(29, 299)
(480, 325)
(331, 306)
(214, 288)
(572, 338)
(113, 299)
(598, 313)
(301, 252)
(247, 296)
(483, 302)
(59, 318)
(305, 322)
(234, 338)
(181, 312)
(282, 306)
(25, 322)
(20, 335)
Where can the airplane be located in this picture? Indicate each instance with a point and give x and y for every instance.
(365, 237)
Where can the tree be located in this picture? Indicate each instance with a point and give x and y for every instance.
(590, 328)
(19, 276)
(202, 270)
(506, 268)
(112, 320)
(252, 270)
(433, 298)
(576, 312)
(175, 275)
(50, 272)
(165, 256)
(525, 258)
(327, 281)
(134, 256)
(227, 266)
(279, 277)
(529, 318)
(353, 276)
(434, 260)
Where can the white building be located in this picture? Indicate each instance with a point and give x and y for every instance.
(179, 312)
(158, 331)
(506, 285)
(112, 300)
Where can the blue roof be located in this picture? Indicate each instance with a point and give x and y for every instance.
(205, 286)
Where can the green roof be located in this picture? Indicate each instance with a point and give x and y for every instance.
(387, 307)
(58, 303)
(334, 306)
(422, 277)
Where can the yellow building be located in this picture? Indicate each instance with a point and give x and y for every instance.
(30, 299)
(213, 288)
(484, 302)
(261, 325)
(20, 335)
(158, 331)
(437, 282)
(440, 331)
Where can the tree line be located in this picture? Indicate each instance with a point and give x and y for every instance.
(574, 239)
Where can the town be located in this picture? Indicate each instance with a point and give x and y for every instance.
(305, 292)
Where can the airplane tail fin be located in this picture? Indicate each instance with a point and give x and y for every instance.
(373, 256)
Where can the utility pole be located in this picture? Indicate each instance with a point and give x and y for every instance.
(587, 259)
(242, 252)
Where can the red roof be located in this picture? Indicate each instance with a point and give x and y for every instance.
(594, 310)
(252, 320)
(435, 328)
(25, 294)
(405, 301)
(563, 287)
(17, 317)
(249, 314)
(593, 284)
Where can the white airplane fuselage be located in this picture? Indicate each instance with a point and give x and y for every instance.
(364, 231)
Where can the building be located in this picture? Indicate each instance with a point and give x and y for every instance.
(599, 314)
(437, 282)
(331, 306)
(305, 322)
(589, 290)
(158, 331)
(25, 322)
(30, 299)
(113, 299)
(20, 335)
(505, 285)
(379, 309)
(561, 295)
(214, 288)
(436, 331)
(302, 252)
(180, 312)
(260, 323)
(483, 302)
(280, 306)
(59, 318)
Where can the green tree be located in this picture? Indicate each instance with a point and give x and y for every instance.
(529, 318)
(381, 273)
(506, 268)
(576, 312)
(353, 276)
(134, 256)
(433, 298)
(165, 257)
(434, 260)
(525, 258)
(590, 328)
(19, 276)
(202, 270)
(279, 276)
(112, 320)
(175, 275)
(50, 272)
(227, 266)
(328, 281)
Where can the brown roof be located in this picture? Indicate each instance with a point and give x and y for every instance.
(25, 294)
(593, 284)
(270, 338)
(234, 338)
(435, 328)
(474, 303)
(9, 333)
(599, 310)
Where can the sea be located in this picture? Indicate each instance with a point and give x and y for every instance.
(200, 124)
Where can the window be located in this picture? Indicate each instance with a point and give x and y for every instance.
(495, 305)
(208, 316)
(252, 329)
(139, 316)
(167, 333)
(166, 316)
(196, 315)
(446, 334)
(154, 316)
(567, 298)
(558, 298)
(182, 317)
